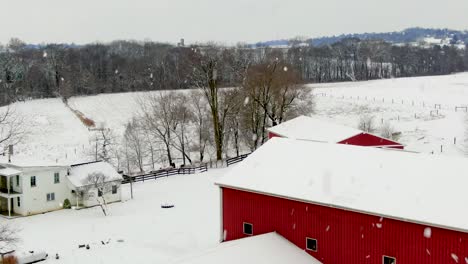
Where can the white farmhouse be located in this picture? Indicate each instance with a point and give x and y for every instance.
(27, 189)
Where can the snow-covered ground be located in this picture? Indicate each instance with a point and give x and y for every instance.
(149, 234)
(53, 132)
(410, 105)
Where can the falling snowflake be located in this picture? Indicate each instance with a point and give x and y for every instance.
(379, 225)
(285, 69)
(368, 256)
(427, 232)
(254, 137)
(454, 257)
(246, 100)
(381, 219)
(327, 229)
(116, 71)
(294, 226)
(44, 54)
(151, 76)
(466, 260)
(62, 79)
(428, 252)
(224, 234)
(292, 211)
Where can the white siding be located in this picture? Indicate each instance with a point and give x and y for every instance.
(34, 199)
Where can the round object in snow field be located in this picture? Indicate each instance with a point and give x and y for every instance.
(166, 206)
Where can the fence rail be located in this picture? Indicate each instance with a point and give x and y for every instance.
(164, 173)
(237, 159)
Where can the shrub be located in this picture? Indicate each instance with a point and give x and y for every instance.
(366, 123)
(10, 260)
(66, 204)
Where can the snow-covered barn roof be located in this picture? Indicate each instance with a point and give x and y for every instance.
(269, 248)
(313, 129)
(79, 172)
(421, 188)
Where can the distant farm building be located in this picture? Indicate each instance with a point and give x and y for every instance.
(348, 204)
(313, 129)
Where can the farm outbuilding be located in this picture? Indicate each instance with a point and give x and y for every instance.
(348, 204)
(313, 129)
(268, 248)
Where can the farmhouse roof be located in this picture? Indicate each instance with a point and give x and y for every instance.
(79, 172)
(4, 171)
(422, 188)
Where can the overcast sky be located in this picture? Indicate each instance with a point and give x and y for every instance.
(227, 21)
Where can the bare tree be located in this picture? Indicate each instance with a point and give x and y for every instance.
(12, 128)
(135, 140)
(387, 131)
(183, 117)
(96, 186)
(8, 237)
(200, 119)
(366, 123)
(277, 89)
(212, 66)
(104, 141)
(159, 117)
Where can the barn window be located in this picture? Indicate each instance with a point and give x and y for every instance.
(311, 244)
(389, 260)
(248, 229)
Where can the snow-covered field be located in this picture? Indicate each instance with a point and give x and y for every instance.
(149, 234)
(408, 104)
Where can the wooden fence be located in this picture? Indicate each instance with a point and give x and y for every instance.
(164, 173)
(237, 159)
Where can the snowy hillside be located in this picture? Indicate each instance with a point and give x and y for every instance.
(54, 133)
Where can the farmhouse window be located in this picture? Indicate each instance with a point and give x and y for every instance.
(311, 244)
(389, 260)
(18, 201)
(50, 197)
(99, 192)
(33, 181)
(114, 189)
(56, 177)
(17, 180)
(248, 229)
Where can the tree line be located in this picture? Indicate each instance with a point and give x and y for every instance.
(55, 70)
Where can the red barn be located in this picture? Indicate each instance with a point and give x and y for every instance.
(348, 204)
(312, 129)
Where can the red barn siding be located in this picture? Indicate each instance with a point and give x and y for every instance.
(369, 140)
(343, 236)
(272, 135)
